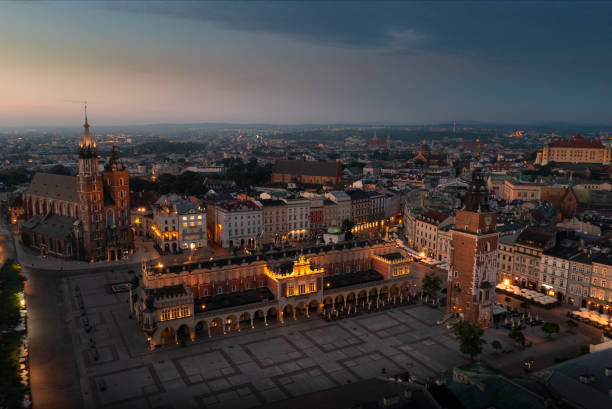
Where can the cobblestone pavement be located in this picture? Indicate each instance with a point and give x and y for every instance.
(246, 369)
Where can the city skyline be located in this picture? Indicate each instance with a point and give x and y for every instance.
(305, 63)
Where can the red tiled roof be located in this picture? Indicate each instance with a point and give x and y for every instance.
(577, 142)
(436, 216)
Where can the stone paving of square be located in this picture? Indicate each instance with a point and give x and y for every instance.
(250, 368)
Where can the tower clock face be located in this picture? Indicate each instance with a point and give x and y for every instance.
(488, 219)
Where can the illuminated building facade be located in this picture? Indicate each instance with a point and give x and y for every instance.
(231, 294)
(178, 224)
(601, 284)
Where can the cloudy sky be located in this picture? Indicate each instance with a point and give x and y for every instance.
(305, 62)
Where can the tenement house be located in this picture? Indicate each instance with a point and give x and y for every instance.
(555, 266)
(235, 223)
(427, 229)
(580, 274)
(528, 250)
(178, 224)
(601, 284)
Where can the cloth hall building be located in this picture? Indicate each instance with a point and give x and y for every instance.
(181, 302)
(84, 217)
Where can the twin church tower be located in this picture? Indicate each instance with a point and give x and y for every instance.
(85, 217)
(104, 199)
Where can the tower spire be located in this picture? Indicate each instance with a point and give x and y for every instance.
(87, 142)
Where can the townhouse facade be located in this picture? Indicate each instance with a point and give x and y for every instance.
(236, 223)
(580, 274)
(427, 228)
(178, 224)
(274, 221)
(601, 283)
(527, 254)
(555, 270)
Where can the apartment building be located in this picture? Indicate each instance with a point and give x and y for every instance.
(505, 248)
(274, 214)
(580, 274)
(527, 253)
(237, 223)
(601, 284)
(554, 270)
(178, 224)
(427, 227)
(298, 218)
(343, 201)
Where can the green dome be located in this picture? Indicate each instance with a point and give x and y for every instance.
(333, 230)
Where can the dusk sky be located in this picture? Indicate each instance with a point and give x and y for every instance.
(320, 62)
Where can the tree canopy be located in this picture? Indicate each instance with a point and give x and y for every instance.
(470, 338)
(11, 282)
(550, 328)
(192, 183)
(15, 176)
(431, 284)
(60, 170)
(496, 345)
(518, 336)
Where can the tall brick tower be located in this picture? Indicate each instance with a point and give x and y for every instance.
(473, 256)
(91, 196)
(117, 207)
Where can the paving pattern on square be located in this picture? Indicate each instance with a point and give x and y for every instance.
(383, 325)
(272, 351)
(330, 337)
(251, 368)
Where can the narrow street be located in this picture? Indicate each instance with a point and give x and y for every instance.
(54, 379)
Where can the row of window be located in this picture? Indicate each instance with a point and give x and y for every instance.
(301, 288)
(175, 313)
(192, 217)
(192, 224)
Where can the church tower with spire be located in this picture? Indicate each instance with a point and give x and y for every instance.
(473, 256)
(90, 195)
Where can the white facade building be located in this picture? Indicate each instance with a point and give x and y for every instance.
(298, 218)
(554, 270)
(344, 205)
(237, 224)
